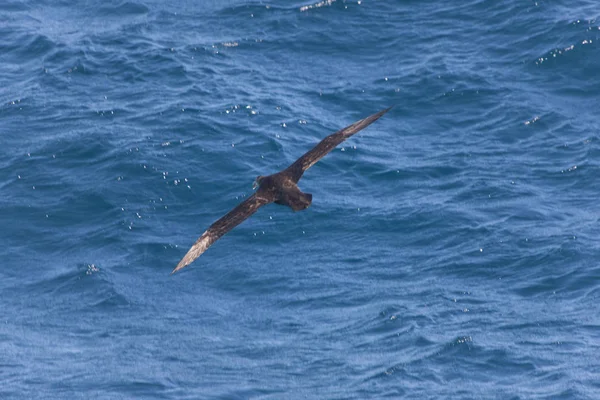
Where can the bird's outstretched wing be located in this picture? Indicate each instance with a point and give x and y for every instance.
(296, 170)
(226, 223)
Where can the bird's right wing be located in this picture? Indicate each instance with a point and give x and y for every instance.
(226, 223)
(309, 159)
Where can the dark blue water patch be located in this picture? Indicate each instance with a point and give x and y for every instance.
(15, 6)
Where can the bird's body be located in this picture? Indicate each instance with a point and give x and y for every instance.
(279, 188)
(283, 190)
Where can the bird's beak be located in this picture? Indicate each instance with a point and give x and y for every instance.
(255, 185)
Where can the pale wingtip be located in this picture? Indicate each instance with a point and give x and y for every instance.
(376, 116)
(194, 252)
(178, 267)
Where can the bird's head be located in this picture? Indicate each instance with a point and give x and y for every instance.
(257, 182)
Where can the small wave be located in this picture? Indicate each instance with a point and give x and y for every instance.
(123, 9)
(29, 47)
(575, 51)
(320, 4)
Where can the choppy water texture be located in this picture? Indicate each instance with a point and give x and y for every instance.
(451, 250)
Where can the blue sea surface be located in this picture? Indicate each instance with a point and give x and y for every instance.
(451, 250)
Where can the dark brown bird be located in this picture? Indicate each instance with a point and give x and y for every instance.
(280, 188)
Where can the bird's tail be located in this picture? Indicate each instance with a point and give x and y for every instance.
(301, 201)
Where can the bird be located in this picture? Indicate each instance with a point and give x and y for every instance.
(279, 188)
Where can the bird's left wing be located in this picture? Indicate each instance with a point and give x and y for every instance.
(296, 170)
(226, 223)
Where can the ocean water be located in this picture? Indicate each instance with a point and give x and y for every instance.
(451, 250)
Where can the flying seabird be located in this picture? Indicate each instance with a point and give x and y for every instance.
(280, 188)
